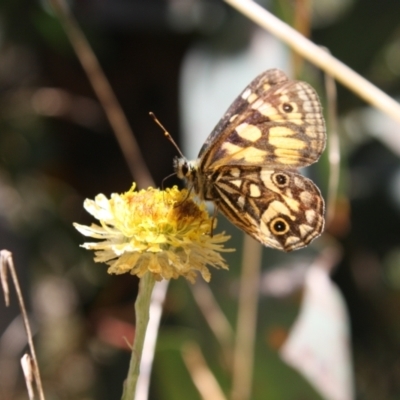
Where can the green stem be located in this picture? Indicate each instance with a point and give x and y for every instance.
(142, 307)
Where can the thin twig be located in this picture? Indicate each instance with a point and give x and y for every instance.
(247, 320)
(28, 368)
(105, 94)
(216, 319)
(201, 374)
(310, 51)
(302, 23)
(6, 262)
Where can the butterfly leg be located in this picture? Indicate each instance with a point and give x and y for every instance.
(213, 219)
(186, 197)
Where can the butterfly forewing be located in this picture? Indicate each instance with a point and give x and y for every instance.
(262, 83)
(275, 121)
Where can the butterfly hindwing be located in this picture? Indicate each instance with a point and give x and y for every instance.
(279, 208)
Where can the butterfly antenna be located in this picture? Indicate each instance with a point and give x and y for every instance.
(166, 133)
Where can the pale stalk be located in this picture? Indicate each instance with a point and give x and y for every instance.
(146, 364)
(7, 263)
(246, 325)
(142, 309)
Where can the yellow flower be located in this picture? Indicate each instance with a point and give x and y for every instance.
(164, 232)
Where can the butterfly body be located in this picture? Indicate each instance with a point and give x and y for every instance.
(248, 164)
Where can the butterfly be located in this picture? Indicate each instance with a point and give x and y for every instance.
(248, 165)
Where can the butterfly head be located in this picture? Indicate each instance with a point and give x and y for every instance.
(187, 170)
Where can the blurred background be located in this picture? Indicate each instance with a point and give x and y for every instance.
(186, 60)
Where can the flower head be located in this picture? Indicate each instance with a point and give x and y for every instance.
(164, 232)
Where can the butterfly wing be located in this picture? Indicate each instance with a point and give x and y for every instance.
(247, 166)
(279, 208)
(275, 121)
